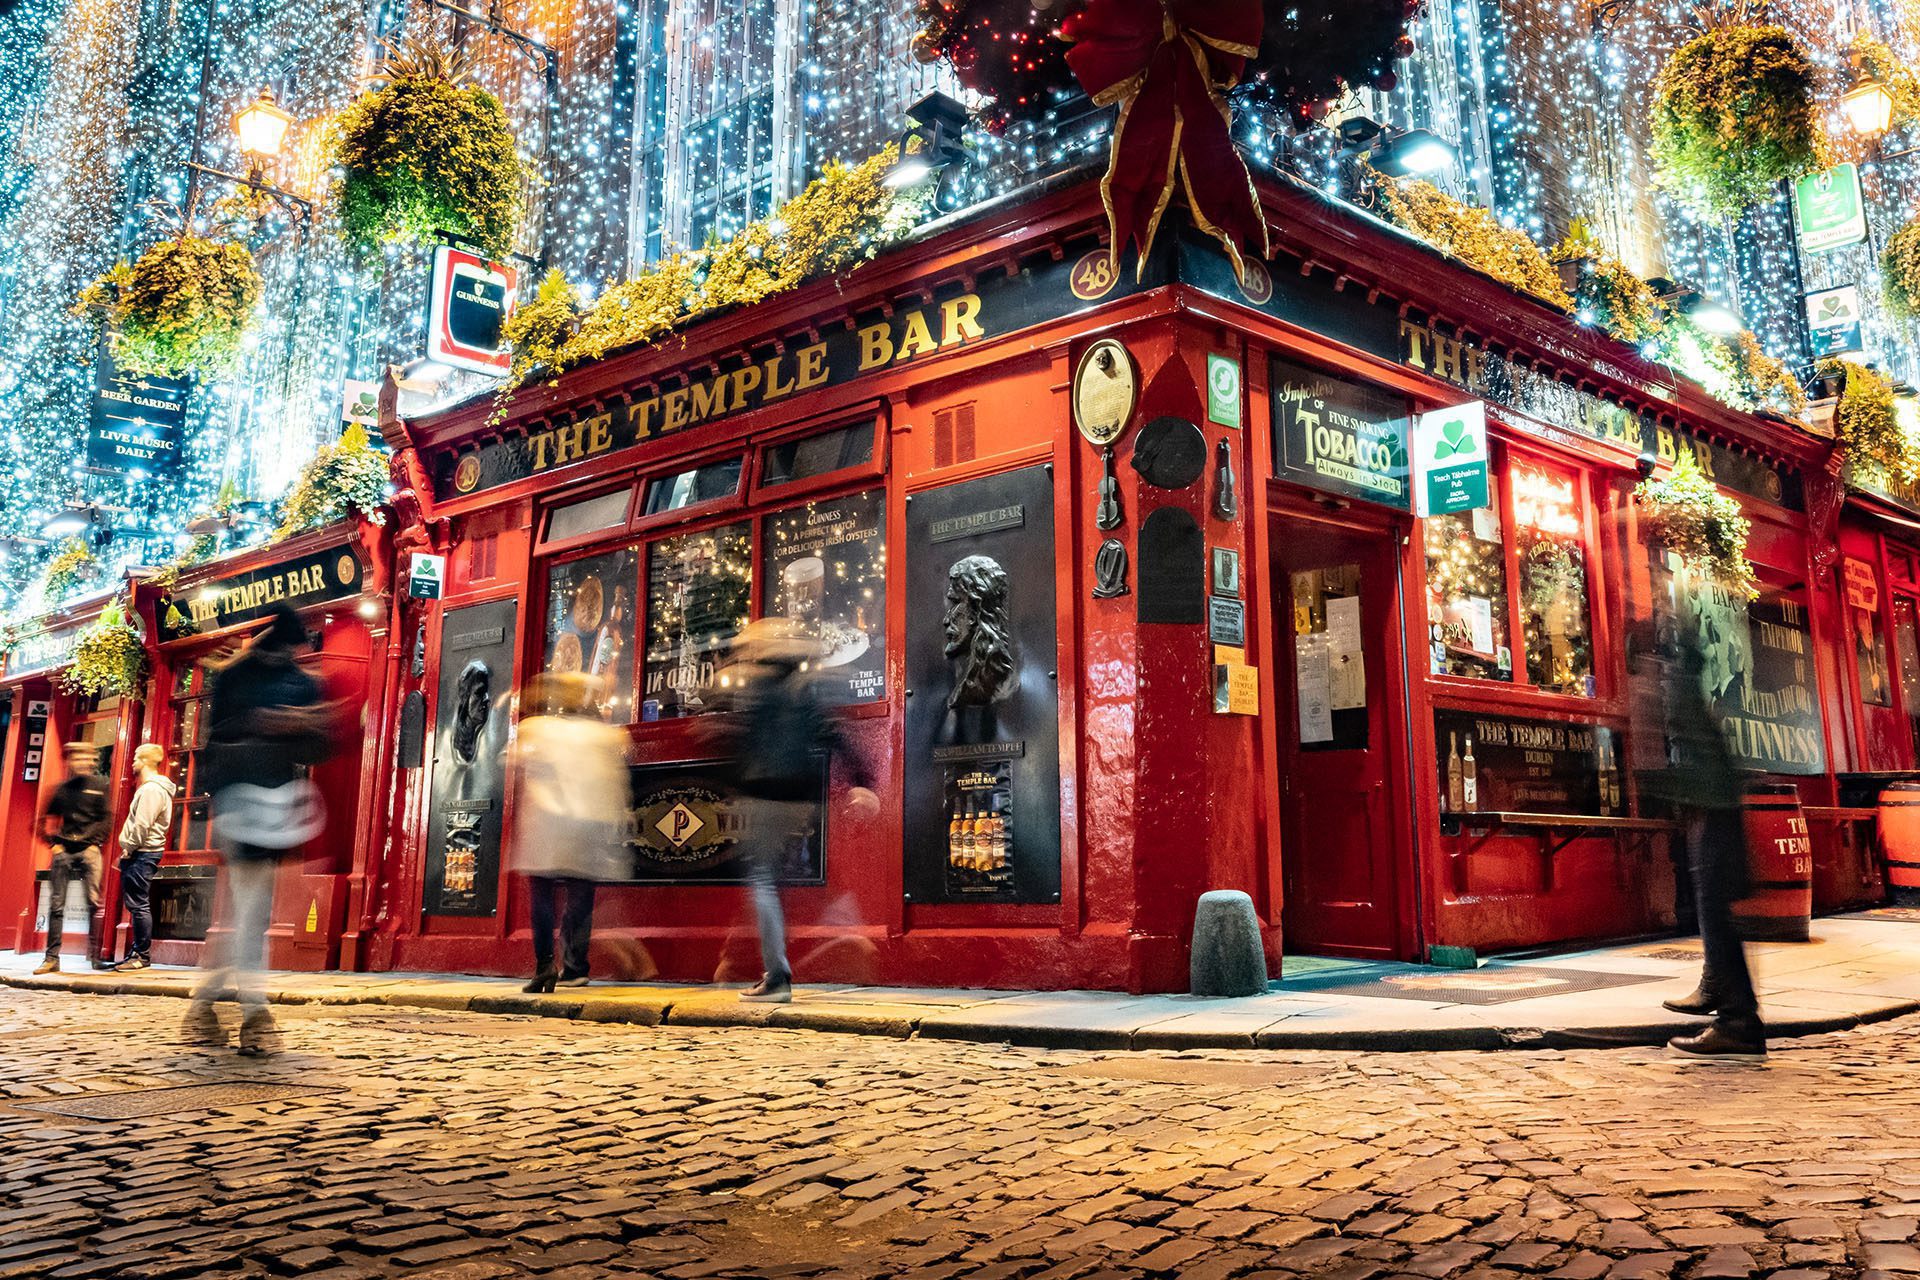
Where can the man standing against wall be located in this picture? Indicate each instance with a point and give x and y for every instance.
(143, 838)
(75, 824)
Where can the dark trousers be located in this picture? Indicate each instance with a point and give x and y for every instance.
(69, 865)
(1716, 852)
(136, 895)
(576, 923)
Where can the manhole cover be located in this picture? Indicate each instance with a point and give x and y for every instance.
(1671, 953)
(134, 1104)
(1238, 1075)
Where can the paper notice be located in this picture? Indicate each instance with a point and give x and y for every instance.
(1480, 623)
(1486, 525)
(1313, 688)
(1343, 624)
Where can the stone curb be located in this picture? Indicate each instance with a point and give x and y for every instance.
(705, 1008)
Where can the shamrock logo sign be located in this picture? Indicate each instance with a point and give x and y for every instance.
(1454, 440)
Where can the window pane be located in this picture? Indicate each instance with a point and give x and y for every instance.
(819, 455)
(825, 565)
(715, 480)
(698, 585)
(1906, 645)
(1326, 617)
(1553, 581)
(1467, 594)
(589, 625)
(607, 511)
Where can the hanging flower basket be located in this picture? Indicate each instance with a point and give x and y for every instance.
(346, 478)
(1868, 426)
(109, 657)
(1605, 291)
(424, 153)
(1690, 517)
(185, 304)
(1734, 115)
(1900, 271)
(74, 566)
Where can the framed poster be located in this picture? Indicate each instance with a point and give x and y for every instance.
(982, 771)
(687, 827)
(824, 565)
(468, 784)
(589, 625)
(698, 587)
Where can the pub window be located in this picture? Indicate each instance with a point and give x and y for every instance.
(1467, 606)
(702, 484)
(1550, 551)
(824, 566)
(699, 586)
(817, 455)
(186, 757)
(589, 515)
(1906, 647)
(589, 625)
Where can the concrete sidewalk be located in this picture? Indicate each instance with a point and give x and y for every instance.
(1860, 968)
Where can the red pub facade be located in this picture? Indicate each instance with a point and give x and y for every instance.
(1124, 596)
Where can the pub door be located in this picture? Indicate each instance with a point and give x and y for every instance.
(1341, 700)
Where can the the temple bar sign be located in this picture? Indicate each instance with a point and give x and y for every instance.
(314, 578)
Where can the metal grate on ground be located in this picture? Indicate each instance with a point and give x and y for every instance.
(137, 1104)
(1490, 984)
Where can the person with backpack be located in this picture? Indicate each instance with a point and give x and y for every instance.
(267, 724)
(780, 736)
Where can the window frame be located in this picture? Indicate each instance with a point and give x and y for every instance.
(545, 545)
(640, 522)
(785, 493)
(613, 541)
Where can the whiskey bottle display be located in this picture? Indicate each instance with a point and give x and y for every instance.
(1469, 779)
(969, 842)
(953, 838)
(997, 839)
(1455, 800)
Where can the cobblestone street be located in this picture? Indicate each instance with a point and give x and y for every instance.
(459, 1146)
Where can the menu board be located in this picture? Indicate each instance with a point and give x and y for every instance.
(589, 625)
(824, 566)
(698, 586)
(1513, 764)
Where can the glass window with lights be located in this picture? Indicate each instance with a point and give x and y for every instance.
(824, 566)
(699, 587)
(1467, 603)
(1550, 551)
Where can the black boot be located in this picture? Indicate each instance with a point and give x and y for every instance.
(540, 982)
(1700, 1002)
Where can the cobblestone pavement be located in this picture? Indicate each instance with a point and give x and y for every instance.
(458, 1146)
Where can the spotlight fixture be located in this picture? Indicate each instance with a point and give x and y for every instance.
(933, 141)
(1709, 314)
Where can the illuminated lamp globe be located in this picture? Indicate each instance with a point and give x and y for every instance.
(1867, 106)
(262, 127)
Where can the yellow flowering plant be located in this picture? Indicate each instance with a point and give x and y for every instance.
(1474, 236)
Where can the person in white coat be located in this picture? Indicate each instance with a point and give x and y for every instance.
(568, 774)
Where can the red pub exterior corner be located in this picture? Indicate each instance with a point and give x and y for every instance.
(1232, 634)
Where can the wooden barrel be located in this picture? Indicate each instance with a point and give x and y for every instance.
(1900, 837)
(1779, 907)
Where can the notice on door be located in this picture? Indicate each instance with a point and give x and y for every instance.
(1313, 688)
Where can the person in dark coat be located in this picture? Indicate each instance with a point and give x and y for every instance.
(1702, 790)
(266, 725)
(75, 824)
(775, 767)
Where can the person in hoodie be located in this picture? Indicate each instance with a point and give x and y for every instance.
(143, 838)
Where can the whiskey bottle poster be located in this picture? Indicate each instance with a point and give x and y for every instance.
(469, 760)
(590, 625)
(982, 720)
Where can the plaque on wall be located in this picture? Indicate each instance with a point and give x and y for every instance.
(686, 827)
(1173, 568)
(1170, 453)
(468, 781)
(982, 782)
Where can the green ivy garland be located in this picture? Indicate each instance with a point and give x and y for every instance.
(1689, 516)
(1735, 114)
(1869, 427)
(184, 304)
(348, 477)
(425, 153)
(1900, 271)
(109, 657)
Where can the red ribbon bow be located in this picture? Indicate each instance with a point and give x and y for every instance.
(1168, 63)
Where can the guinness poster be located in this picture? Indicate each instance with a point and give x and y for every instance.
(824, 566)
(468, 783)
(982, 768)
(687, 828)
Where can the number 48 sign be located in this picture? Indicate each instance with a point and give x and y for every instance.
(1450, 459)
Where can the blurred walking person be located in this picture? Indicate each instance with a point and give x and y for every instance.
(143, 840)
(568, 771)
(267, 724)
(1701, 787)
(775, 748)
(75, 824)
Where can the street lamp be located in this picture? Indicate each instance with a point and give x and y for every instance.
(262, 128)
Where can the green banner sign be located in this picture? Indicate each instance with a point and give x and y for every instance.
(1827, 210)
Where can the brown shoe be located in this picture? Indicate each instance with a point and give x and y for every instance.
(1720, 1044)
(50, 965)
(202, 1026)
(259, 1036)
(1698, 1003)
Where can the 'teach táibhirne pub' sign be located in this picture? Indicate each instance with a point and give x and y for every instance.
(315, 578)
